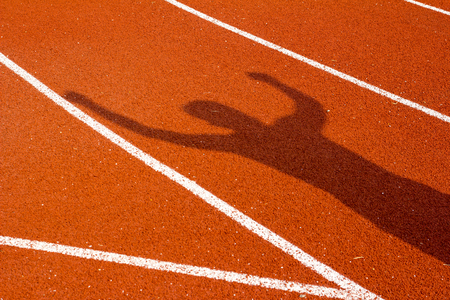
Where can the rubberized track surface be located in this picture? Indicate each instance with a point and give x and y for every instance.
(356, 180)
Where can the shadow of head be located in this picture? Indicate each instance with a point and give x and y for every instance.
(221, 115)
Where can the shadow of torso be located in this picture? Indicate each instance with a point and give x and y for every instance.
(294, 145)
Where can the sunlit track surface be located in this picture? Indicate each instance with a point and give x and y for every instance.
(349, 288)
(356, 180)
(429, 7)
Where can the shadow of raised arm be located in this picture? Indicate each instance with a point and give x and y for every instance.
(294, 145)
(201, 141)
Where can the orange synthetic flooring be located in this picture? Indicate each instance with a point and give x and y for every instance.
(265, 163)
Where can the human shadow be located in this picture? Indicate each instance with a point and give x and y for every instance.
(414, 212)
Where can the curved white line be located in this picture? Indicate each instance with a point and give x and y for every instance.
(313, 63)
(158, 265)
(263, 232)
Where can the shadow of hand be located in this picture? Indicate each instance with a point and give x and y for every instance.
(294, 145)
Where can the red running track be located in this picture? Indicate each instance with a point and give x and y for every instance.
(356, 180)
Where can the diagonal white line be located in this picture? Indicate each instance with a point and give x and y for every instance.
(313, 63)
(263, 232)
(158, 265)
(429, 7)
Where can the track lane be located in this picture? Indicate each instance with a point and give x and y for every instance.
(103, 200)
(39, 275)
(438, 6)
(193, 161)
(389, 44)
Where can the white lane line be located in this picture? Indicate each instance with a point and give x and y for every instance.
(263, 232)
(313, 63)
(429, 7)
(158, 265)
